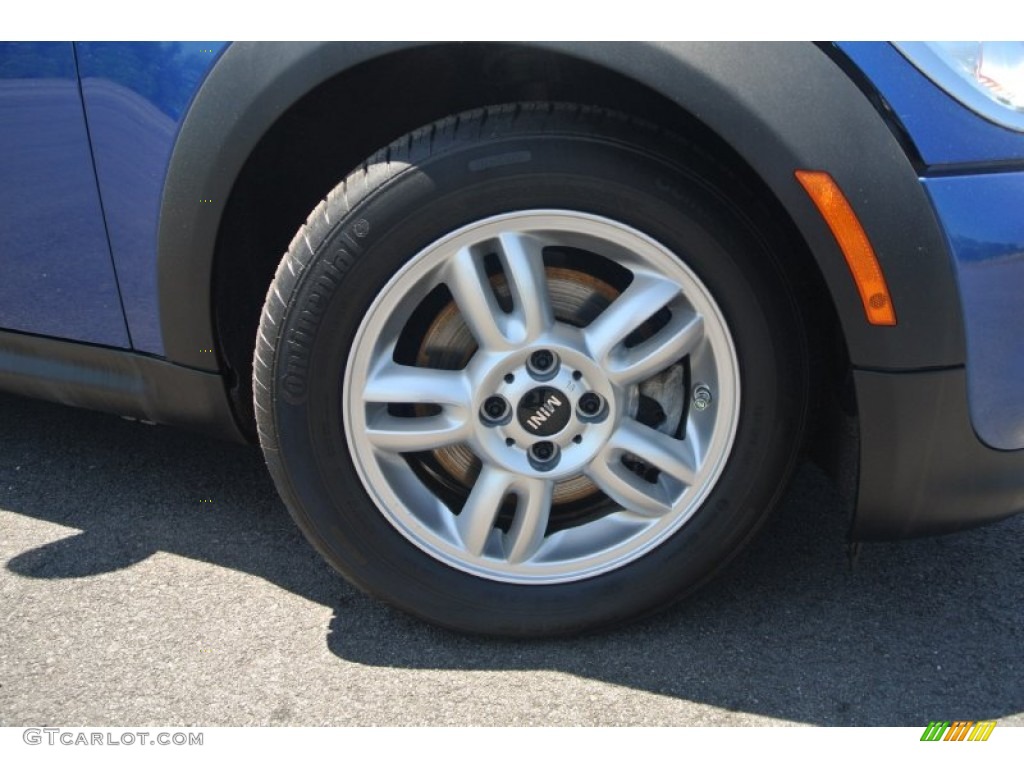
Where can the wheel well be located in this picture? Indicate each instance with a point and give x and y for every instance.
(330, 130)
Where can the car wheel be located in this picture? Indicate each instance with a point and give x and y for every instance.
(531, 370)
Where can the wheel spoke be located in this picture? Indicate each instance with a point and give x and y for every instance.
(521, 258)
(398, 434)
(476, 520)
(471, 288)
(680, 337)
(632, 492)
(502, 308)
(533, 507)
(394, 383)
(642, 298)
(673, 457)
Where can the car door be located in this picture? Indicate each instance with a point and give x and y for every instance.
(56, 274)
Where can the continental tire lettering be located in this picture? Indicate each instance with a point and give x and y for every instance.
(299, 338)
(338, 262)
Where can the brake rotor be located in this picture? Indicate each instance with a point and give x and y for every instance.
(576, 298)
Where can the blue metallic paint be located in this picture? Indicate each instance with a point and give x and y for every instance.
(136, 97)
(57, 277)
(943, 130)
(983, 216)
(130, 101)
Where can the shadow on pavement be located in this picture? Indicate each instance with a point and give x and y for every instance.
(918, 631)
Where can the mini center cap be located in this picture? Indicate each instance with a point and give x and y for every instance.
(544, 411)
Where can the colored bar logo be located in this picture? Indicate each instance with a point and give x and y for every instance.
(959, 730)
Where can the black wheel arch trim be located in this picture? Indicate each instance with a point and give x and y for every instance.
(923, 470)
(780, 106)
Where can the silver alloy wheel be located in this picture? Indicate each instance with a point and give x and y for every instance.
(530, 425)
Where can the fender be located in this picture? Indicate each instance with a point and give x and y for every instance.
(781, 107)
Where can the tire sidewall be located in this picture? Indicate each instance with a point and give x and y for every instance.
(416, 206)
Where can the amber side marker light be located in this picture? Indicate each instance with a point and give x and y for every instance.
(854, 243)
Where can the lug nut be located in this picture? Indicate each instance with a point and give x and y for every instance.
(542, 360)
(590, 403)
(543, 455)
(701, 397)
(494, 410)
(591, 407)
(542, 364)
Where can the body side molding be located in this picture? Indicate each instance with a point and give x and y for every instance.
(116, 381)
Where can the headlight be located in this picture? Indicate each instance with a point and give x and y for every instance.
(987, 77)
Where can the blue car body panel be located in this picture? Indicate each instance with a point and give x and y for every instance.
(107, 151)
(136, 96)
(983, 216)
(57, 278)
(944, 131)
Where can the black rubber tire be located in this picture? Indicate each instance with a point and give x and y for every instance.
(462, 169)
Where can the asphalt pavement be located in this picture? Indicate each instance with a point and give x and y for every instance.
(150, 576)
